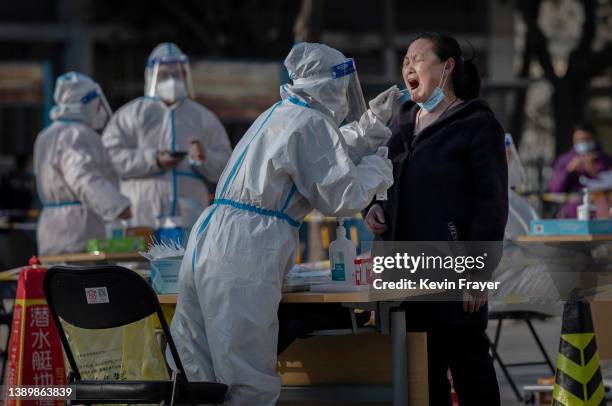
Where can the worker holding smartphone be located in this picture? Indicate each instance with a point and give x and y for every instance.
(170, 159)
(165, 146)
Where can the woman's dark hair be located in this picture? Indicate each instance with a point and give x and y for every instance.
(466, 78)
(586, 127)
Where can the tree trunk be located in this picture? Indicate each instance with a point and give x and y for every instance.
(518, 116)
(307, 26)
(563, 115)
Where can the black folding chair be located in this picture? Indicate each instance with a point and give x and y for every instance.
(7, 291)
(526, 316)
(108, 297)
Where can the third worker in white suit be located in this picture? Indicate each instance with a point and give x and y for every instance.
(148, 138)
(293, 158)
(74, 174)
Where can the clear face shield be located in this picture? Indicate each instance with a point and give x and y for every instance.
(169, 78)
(96, 108)
(355, 101)
(102, 105)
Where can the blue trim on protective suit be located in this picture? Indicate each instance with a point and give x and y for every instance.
(198, 234)
(298, 102)
(230, 177)
(61, 204)
(68, 120)
(241, 206)
(173, 148)
(258, 210)
(289, 196)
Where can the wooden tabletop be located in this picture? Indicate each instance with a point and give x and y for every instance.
(364, 296)
(92, 257)
(565, 238)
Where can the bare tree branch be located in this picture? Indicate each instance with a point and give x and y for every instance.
(578, 67)
(601, 60)
(518, 117)
(585, 44)
(307, 26)
(530, 10)
(192, 23)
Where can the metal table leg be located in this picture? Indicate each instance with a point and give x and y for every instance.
(399, 357)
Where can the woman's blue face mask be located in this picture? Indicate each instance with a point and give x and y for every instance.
(438, 94)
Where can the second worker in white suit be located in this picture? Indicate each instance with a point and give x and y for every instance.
(148, 137)
(294, 158)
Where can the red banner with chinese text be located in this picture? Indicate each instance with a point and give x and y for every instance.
(35, 351)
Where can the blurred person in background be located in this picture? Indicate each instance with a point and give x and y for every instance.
(165, 146)
(586, 159)
(450, 184)
(524, 273)
(75, 179)
(521, 213)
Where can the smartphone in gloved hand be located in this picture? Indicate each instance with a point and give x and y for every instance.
(178, 154)
(169, 159)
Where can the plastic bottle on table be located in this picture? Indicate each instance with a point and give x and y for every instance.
(357, 272)
(342, 255)
(587, 210)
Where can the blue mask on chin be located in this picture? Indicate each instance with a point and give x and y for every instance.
(437, 96)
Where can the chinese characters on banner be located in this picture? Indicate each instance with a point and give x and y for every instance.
(35, 351)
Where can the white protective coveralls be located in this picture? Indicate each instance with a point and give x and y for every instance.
(75, 178)
(293, 158)
(528, 273)
(141, 129)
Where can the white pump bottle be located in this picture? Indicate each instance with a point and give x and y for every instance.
(342, 253)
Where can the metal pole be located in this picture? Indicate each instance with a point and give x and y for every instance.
(399, 357)
(390, 57)
(79, 50)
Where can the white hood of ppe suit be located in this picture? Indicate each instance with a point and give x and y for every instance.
(309, 66)
(70, 88)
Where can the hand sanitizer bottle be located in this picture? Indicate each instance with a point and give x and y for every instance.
(342, 255)
(587, 210)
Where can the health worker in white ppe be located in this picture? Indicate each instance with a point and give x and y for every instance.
(529, 274)
(520, 213)
(76, 182)
(294, 158)
(152, 141)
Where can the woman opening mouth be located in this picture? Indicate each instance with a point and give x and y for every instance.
(413, 84)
